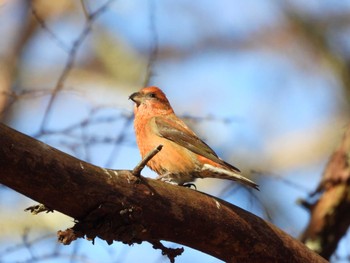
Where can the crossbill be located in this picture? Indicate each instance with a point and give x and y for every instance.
(184, 157)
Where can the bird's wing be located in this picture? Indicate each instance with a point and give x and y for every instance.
(174, 131)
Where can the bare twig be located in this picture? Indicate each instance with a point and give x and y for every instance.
(137, 170)
(225, 120)
(85, 9)
(71, 59)
(154, 43)
(120, 138)
(42, 23)
(317, 37)
(285, 181)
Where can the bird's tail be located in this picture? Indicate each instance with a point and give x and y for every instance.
(209, 170)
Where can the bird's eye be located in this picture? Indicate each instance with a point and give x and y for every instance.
(152, 95)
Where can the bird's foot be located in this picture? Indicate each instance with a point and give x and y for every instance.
(189, 185)
(176, 179)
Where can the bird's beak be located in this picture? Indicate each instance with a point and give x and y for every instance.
(136, 97)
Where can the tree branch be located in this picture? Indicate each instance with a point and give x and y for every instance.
(116, 206)
(330, 213)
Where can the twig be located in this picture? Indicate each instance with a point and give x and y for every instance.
(137, 170)
(71, 60)
(287, 182)
(154, 42)
(42, 23)
(171, 253)
(119, 139)
(85, 9)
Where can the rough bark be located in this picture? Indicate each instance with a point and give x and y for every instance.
(116, 205)
(330, 213)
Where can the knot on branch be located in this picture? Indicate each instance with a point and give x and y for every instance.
(111, 223)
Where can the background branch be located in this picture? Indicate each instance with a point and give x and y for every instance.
(330, 213)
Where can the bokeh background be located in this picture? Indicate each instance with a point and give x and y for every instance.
(265, 83)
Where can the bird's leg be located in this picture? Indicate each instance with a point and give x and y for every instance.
(189, 185)
(172, 178)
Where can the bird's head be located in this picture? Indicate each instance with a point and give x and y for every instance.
(151, 98)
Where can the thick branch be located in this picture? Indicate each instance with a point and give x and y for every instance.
(115, 205)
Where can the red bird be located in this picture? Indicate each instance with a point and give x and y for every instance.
(184, 157)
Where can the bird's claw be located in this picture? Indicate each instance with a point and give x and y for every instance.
(189, 185)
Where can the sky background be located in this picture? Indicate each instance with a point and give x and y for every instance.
(253, 79)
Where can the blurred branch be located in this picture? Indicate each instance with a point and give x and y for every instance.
(330, 213)
(71, 59)
(154, 43)
(116, 206)
(85, 9)
(52, 252)
(41, 21)
(315, 33)
(119, 139)
(26, 28)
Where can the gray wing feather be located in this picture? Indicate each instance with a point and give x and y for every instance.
(188, 140)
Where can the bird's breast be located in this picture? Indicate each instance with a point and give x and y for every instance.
(172, 158)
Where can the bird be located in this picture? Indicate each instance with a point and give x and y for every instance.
(184, 156)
